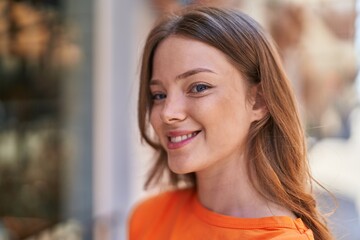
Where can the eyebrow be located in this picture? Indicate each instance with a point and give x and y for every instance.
(193, 72)
(186, 74)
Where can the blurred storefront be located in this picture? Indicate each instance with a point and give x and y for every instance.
(45, 119)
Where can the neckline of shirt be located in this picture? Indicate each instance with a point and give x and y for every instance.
(220, 220)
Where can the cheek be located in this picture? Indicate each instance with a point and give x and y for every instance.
(155, 122)
(219, 108)
(154, 119)
(226, 116)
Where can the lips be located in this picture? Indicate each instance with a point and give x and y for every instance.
(180, 139)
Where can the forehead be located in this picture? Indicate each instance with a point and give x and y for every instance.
(178, 53)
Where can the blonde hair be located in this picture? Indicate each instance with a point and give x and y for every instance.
(277, 155)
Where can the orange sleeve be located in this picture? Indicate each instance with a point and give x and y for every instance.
(155, 214)
(146, 216)
(139, 218)
(133, 226)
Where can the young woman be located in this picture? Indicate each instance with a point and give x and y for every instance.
(215, 104)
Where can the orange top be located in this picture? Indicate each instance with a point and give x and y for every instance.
(178, 215)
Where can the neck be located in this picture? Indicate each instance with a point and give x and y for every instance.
(227, 190)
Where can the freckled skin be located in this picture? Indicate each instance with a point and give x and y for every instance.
(221, 112)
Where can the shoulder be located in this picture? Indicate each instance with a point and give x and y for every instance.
(284, 227)
(162, 199)
(155, 209)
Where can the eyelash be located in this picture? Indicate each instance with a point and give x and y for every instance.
(194, 88)
(158, 96)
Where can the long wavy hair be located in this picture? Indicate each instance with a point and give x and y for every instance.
(276, 151)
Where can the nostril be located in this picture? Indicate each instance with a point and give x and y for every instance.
(173, 109)
(170, 117)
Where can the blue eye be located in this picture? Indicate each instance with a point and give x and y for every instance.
(158, 96)
(199, 88)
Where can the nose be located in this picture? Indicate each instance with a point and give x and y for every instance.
(173, 110)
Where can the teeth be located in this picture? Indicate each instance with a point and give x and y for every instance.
(181, 138)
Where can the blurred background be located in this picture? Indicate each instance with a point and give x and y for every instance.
(71, 161)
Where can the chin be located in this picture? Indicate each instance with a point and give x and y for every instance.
(179, 168)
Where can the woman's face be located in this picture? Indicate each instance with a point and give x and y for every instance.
(201, 111)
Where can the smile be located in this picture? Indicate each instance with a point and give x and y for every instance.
(180, 140)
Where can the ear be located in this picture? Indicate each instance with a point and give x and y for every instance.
(259, 108)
